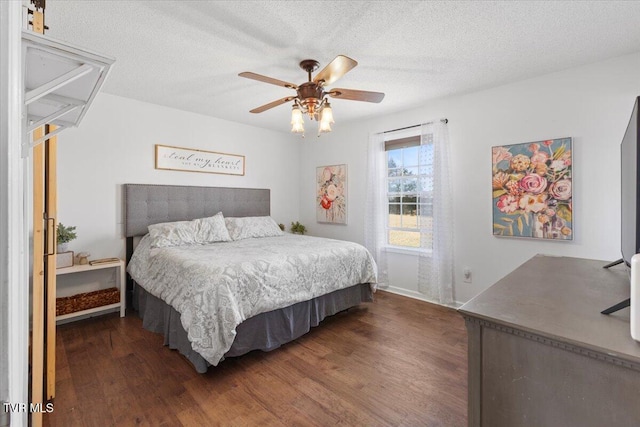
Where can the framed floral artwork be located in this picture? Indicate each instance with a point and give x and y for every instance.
(532, 190)
(331, 194)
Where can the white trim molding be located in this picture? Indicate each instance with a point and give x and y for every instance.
(417, 295)
(14, 276)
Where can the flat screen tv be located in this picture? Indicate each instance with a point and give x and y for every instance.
(630, 238)
(630, 185)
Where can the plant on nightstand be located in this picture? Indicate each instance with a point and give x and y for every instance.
(297, 228)
(65, 235)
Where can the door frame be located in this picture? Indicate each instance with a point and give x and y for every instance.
(15, 214)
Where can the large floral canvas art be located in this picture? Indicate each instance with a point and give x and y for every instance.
(532, 190)
(331, 194)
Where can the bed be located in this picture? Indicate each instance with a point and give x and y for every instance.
(217, 300)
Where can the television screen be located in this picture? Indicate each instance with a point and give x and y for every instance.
(630, 186)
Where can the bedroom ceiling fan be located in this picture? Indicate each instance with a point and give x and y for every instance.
(311, 96)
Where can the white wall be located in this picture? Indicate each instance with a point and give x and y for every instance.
(592, 104)
(114, 145)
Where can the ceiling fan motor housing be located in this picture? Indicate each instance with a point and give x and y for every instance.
(311, 95)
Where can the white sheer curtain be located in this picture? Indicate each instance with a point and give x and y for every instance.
(376, 210)
(435, 257)
(435, 262)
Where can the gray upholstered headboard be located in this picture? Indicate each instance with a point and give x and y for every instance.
(146, 204)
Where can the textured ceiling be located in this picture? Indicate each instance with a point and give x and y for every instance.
(187, 54)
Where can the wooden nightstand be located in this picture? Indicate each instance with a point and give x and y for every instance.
(119, 266)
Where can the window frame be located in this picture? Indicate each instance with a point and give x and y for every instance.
(400, 143)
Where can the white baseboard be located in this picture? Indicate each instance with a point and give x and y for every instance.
(416, 295)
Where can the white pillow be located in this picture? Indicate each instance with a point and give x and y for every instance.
(168, 234)
(252, 226)
(211, 230)
(197, 231)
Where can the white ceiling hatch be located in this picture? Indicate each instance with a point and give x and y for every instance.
(187, 54)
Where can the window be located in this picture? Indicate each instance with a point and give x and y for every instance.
(409, 205)
(409, 191)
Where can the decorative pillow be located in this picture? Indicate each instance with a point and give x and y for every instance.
(252, 226)
(211, 230)
(172, 234)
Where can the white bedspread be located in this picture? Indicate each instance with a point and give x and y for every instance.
(216, 287)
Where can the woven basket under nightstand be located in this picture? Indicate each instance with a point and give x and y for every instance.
(87, 300)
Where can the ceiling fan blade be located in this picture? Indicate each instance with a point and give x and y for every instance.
(270, 105)
(337, 68)
(265, 79)
(356, 95)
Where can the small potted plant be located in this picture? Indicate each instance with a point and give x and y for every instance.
(65, 235)
(297, 228)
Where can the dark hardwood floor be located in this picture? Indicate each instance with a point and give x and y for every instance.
(395, 362)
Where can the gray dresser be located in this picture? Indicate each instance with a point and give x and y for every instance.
(541, 354)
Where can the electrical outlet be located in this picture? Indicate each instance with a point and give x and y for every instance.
(467, 275)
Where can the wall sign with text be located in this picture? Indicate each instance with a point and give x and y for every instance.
(187, 159)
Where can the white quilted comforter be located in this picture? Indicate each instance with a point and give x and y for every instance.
(216, 287)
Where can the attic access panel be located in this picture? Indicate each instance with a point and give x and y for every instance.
(60, 82)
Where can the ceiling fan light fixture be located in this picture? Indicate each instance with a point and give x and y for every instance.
(297, 124)
(323, 127)
(326, 119)
(326, 116)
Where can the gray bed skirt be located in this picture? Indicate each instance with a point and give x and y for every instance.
(266, 331)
